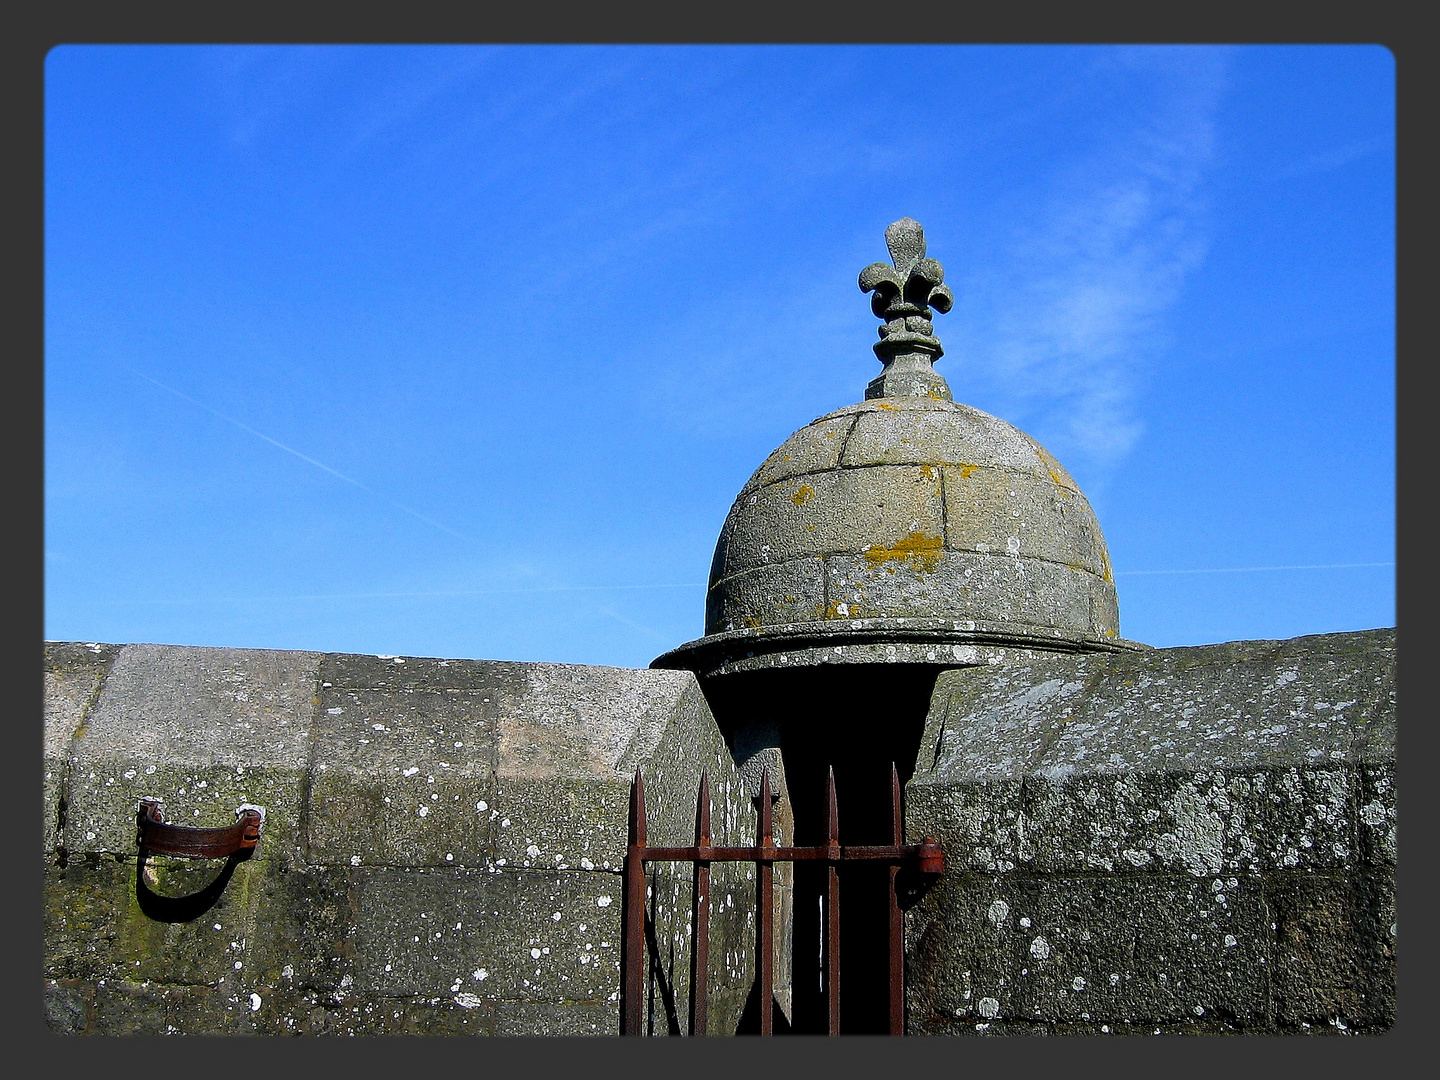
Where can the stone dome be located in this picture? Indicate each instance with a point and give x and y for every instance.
(906, 528)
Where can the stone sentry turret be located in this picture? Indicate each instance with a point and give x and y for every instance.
(878, 546)
(907, 528)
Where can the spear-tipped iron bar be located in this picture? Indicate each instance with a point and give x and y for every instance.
(832, 909)
(634, 915)
(764, 913)
(700, 918)
(897, 920)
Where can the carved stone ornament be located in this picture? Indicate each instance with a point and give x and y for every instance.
(903, 294)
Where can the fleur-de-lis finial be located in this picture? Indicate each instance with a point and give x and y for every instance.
(903, 295)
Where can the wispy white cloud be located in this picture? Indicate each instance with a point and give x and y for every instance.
(258, 86)
(1328, 160)
(1061, 326)
(1254, 569)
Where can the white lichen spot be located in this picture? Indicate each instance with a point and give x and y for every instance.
(411, 771)
(254, 1002)
(999, 912)
(534, 954)
(533, 851)
(482, 806)
(480, 974)
(468, 1001)
(423, 811)
(1025, 923)
(602, 901)
(1040, 949)
(1373, 813)
(354, 860)
(1077, 983)
(989, 1008)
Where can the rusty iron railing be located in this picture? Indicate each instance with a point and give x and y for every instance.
(926, 856)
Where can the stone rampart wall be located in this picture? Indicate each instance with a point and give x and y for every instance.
(1198, 839)
(441, 851)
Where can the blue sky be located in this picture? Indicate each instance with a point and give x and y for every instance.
(464, 351)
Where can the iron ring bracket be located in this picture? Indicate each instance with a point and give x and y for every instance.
(155, 836)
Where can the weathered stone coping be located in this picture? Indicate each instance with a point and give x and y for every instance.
(871, 640)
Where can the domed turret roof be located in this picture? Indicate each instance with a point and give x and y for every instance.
(906, 528)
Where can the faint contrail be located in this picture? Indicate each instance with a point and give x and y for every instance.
(304, 457)
(1253, 569)
(406, 595)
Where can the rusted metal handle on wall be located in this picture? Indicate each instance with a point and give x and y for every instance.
(156, 837)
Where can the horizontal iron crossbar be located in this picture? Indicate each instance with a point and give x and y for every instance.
(845, 853)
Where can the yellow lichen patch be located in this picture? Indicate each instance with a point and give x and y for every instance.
(917, 550)
(965, 470)
(1054, 468)
(886, 406)
(751, 622)
(927, 472)
(935, 395)
(803, 494)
